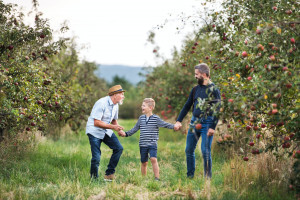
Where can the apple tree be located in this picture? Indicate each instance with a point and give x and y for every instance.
(252, 49)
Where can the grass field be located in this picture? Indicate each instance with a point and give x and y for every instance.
(60, 170)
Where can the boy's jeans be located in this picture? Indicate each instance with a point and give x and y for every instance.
(114, 144)
(191, 143)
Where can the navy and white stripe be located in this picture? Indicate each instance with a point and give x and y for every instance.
(149, 129)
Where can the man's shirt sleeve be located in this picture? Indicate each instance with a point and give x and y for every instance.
(98, 111)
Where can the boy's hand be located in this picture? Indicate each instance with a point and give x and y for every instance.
(122, 133)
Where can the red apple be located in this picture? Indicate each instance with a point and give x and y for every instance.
(258, 136)
(288, 85)
(292, 135)
(230, 100)
(244, 54)
(246, 158)
(198, 126)
(260, 47)
(286, 145)
(251, 144)
(183, 64)
(258, 31)
(293, 40)
(249, 78)
(288, 12)
(248, 128)
(280, 123)
(274, 111)
(274, 8)
(272, 58)
(285, 68)
(277, 95)
(10, 47)
(263, 126)
(286, 138)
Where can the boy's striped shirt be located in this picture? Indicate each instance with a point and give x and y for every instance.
(149, 129)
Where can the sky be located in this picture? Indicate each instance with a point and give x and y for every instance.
(116, 31)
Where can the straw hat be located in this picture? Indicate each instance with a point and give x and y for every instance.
(115, 89)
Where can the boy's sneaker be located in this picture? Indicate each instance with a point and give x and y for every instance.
(110, 177)
(157, 179)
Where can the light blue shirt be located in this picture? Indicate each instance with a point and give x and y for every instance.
(103, 110)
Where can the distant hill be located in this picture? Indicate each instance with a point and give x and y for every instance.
(131, 74)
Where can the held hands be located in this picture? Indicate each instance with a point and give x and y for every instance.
(210, 132)
(177, 126)
(117, 127)
(121, 133)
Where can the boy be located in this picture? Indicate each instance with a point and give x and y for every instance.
(149, 124)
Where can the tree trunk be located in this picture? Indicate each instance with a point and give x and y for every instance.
(1, 134)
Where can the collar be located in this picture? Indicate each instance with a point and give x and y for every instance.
(110, 101)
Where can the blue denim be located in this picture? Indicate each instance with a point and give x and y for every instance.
(146, 151)
(114, 144)
(191, 143)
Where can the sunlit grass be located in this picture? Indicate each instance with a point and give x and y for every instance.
(60, 170)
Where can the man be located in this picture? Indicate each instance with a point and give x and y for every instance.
(206, 99)
(101, 122)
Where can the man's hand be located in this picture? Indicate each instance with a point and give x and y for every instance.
(117, 127)
(210, 132)
(121, 133)
(177, 126)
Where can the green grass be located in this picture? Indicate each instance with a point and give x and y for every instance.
(60, 170)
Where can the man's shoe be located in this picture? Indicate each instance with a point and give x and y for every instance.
(157, 179)
(110, 177)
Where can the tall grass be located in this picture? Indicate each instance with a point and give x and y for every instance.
(59, 169)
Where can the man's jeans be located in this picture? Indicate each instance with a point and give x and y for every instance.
(191, 143)
(114, 144)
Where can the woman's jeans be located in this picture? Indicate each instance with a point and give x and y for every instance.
(191, 143)
(114, 144)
